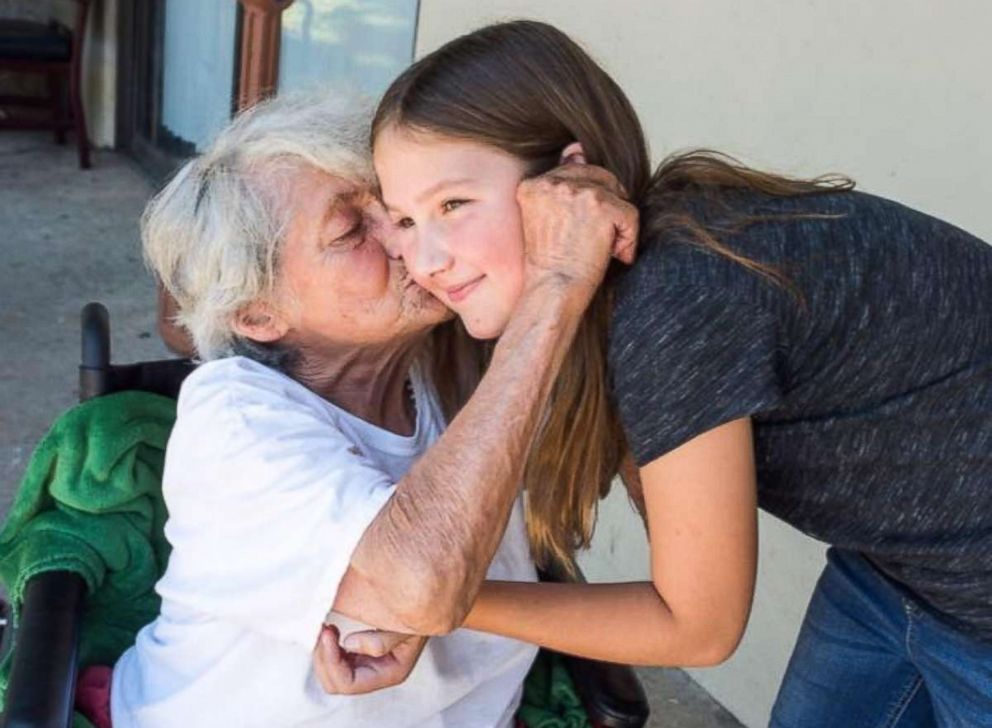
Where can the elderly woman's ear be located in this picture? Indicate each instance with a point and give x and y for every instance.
(260, 321)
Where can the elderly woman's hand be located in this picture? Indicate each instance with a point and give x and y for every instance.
(373, 660)
(575, 218)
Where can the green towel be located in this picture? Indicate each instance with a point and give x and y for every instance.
(550, 699)
(91, 502)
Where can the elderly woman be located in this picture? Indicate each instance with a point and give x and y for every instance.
(290, 476)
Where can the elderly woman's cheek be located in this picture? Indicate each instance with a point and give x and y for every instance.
(371, 265)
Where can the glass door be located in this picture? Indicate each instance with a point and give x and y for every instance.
(177, 77)
(356, 44)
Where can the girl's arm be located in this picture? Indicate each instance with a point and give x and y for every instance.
(701, 508)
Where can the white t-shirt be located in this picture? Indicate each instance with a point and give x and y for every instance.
(269, 489)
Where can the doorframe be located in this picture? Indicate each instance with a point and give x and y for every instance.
(261, 33)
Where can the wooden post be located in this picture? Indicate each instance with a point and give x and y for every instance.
(260, 32)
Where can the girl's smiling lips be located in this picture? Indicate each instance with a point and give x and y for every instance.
(459, 293)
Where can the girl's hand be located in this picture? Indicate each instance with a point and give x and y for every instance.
(575, 218)
(368, 661)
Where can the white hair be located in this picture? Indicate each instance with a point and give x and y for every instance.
(212, 235)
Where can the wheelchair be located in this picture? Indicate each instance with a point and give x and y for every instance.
(41, 690)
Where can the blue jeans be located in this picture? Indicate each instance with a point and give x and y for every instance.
(869, 656)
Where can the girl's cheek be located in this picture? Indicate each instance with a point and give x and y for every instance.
(468, 239)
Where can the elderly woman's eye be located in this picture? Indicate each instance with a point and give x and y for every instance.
(353, 232)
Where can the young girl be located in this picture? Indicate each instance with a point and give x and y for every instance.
(819, 352)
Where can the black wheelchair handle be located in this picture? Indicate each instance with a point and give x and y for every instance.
(95, 336)
(94, 367)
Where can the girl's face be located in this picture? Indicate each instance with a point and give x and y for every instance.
(457, 222)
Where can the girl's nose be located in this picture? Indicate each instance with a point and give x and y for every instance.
(426, 258)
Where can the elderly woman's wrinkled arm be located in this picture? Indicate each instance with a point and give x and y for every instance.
(421, 562)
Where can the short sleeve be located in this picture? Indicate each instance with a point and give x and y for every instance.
(689, 358)
(267, 502)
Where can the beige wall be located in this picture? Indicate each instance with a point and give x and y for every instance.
(893, 92)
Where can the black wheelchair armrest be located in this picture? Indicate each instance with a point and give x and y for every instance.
(611, 694)
(42, 683)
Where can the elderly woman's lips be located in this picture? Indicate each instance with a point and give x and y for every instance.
(459, 293)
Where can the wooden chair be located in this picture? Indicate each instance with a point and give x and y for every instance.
(52, 50)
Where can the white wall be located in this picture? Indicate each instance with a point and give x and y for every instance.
(892, 92)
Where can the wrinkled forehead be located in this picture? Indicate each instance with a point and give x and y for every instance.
(305, 189)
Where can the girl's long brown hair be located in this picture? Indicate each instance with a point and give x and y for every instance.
(526, 88)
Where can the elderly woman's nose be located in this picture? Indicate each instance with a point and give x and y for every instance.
(380, 228)
(390, 242)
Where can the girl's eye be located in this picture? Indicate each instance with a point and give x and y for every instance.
(450, 205)
(405, 223)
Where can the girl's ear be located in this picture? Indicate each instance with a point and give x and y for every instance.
(260, 321)
(573, 154)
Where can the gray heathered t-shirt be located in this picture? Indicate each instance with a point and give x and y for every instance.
(871, 400)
